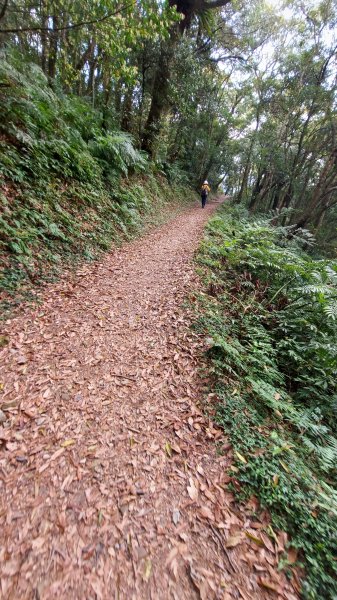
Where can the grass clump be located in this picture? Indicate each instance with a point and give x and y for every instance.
(270, 317)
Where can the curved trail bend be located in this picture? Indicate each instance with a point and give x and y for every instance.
(110, 485)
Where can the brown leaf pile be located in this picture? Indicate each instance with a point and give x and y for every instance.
(110, 485)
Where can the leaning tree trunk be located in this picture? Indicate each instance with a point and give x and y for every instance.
(326, 179)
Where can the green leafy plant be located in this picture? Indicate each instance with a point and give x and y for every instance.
(269, 317)
(69, 190)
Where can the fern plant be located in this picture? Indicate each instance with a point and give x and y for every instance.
(271, 329)
(116, 151)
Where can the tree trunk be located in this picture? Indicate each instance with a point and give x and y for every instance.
(211, 158)
(126, 123)
(106, 91)
(247, 165)
(118, 100)
(321, 189)
(256, 190)
(91, 78)
(44, 40)
(277, 196)
(53, 47)
(3, 9)
(159, 101)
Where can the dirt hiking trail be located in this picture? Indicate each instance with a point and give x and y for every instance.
(110, 483)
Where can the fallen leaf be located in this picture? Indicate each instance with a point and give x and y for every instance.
(38, 543)
(240, 457)
(168, 449)
(253, 537)
(67, 443)
(206, 512)
(97, 586)
(285, 466)
(29, 413)
(204, 590)
(4, 340)
(11, 567)
(147, 570)
(174, 568)
(244, 595)
(172, 554)
(260, 567)
(267, 542)
(192, 490)
(51, 459)
(175, 448)
(9, 404)
(269, 585)
(233, 541)
(234, 469)
(210, 496)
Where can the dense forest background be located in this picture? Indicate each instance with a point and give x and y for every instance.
(241, 93)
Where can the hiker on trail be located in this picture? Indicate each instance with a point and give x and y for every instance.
(205, 189)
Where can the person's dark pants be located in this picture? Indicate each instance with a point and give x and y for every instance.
(203, 200)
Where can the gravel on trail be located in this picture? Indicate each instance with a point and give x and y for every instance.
(111, 486)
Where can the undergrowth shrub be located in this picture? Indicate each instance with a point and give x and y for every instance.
(68, 188)
(45, 225)
(271, 324)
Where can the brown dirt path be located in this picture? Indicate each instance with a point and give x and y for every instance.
(110, 484)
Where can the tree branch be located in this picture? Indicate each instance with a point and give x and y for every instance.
(227, 57)
(216, 4)
(67, 27)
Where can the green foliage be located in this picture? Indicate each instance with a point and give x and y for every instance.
(45, 134)
(68, 190)
(116, 152)
(270, 322)
(46, 225)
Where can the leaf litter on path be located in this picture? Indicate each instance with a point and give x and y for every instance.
(110, 484)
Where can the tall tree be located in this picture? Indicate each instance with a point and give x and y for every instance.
(159, 100)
